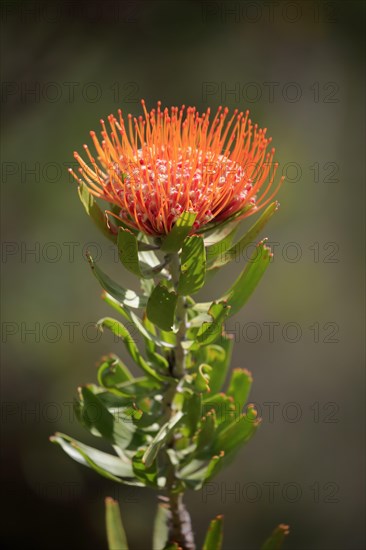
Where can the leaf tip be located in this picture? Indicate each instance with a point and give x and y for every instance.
(284, 528)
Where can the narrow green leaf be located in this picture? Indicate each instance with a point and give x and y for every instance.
(197, 320)
(160, 438)
(125, 296)
(244, 286)
(216, 250)
(121, 332)
(214, 466)
(193, 266)
(99, 218)
(276, 540)
(107, 465)
(183, 226)
(239, 387)
(218, 357)
(161, 307)
(161, 527)
(219, 232)
(144, 264)
(238, 432)
(115, 532)
(205, 435)
(151, 329)
(137, 322)
(128, 251)
(224, 408)
(202, 378)
(147, 474)
(210, 331)
(198, 472)
(129, 392)
(236, 252)
(158, 361)
(214, 537)
(192, 407)
(113, 371)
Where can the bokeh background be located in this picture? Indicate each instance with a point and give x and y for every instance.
(298, 66)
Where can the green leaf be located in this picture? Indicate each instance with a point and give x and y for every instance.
(218, 357)
(149, 258)
(121, 332)
(206, 434)
(224, 407)
(214, 537)
(213, 468)
(125, 296)
(146, 246)
(99, 218)
(115, 532)
(128, 252)
(238, 432)
(217, 249)
(192, 408)
(161, 527)
(158, 361)
(210, 331)
(147, 474)
(236, 251)
(239, 387)
(219, 232)
(151, 329)
(128, 249)
(193, 266)
(276, 540)
(137, 322)
(181, 229)
(161, 307)
(198, 472)
(128, 392)
(244, 286)
(202, 378)
(113, 371)
(169, 336)
(160, 438)
(117, 429)
(106, 465)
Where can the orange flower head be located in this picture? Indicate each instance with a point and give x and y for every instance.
(170, 161)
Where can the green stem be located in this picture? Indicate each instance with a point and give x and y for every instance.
(180, 526)
(179, 369)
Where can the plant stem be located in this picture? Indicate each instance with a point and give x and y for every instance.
(180, 526)
(181, 315)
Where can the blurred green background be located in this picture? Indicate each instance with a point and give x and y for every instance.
(298, 66)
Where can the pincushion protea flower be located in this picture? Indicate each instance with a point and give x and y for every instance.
(172, 161)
